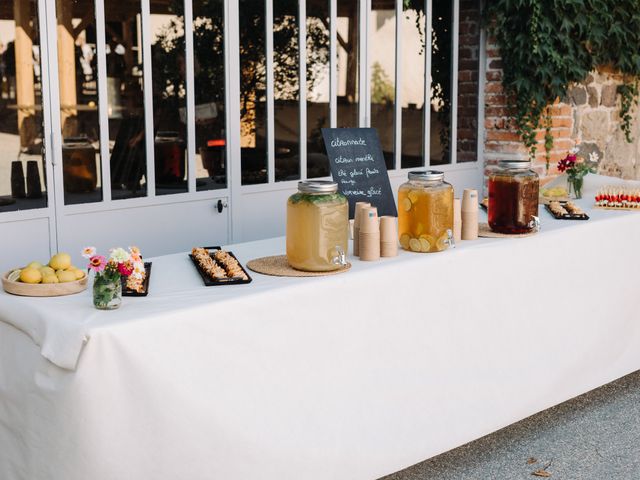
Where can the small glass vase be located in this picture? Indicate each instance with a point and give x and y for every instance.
(107, 292)
(574, 186)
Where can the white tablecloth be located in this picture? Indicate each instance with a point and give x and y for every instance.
(352, 376)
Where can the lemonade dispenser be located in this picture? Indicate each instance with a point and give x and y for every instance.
(317, 227)
(425, 212)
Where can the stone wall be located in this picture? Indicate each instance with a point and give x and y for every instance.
(588, 117)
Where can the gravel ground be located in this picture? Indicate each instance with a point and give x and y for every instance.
(593, 436)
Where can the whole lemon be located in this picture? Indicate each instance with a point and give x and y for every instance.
(52, 278)
(66, 276)
(45, 271)
(36, 265)
(79, 274)
(60, 261)
(30, 275)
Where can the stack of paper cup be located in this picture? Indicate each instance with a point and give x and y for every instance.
(388, 236)
(360, 206)
(469, 214)
(457, 220)
(369, 235)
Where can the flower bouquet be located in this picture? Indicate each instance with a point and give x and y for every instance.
(576, 169)
(107, 283)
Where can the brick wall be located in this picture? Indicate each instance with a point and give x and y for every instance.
(468, 77)
(588, 116)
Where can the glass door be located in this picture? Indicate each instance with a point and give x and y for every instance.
(27, 228)
(141, 134)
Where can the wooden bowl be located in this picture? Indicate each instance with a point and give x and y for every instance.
(43, 289)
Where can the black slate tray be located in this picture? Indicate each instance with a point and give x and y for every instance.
(145, 285)
(210, 282)
(568, 216)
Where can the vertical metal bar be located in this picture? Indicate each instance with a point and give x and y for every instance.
(190, 101)
(148, 95)
(103, 101)
(397, 137)
(454, 81)
(54, 147)
(46, 21)
(428, 33)
(271, 158)
(333, 63)
(302, 95)
(232, 113)
(482, 72)
(364, 74)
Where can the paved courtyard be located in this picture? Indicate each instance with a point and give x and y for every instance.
(594, 436)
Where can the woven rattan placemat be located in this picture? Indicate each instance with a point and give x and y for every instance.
(485, 231)
(279, 267)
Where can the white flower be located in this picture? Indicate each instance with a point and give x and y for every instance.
(594, 157)
(88, 252)
(137, 276)
(119, 255)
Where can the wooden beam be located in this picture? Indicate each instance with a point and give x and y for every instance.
(25, 85)
(87, 20)
(66, 66)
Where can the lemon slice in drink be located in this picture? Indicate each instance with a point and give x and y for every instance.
(406, 204)
(426, 243)
(413, 196)
(14, 275)
(414, 244)
(405, 238)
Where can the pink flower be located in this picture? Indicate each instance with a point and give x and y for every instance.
(97, 263)
(567, 163)
(125, 268)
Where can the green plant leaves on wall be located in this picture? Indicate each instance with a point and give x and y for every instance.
(547, 45)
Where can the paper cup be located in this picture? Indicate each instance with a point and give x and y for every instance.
(369, 246)
(388, 249)
(369, 222)
(356, 225)
(469, 200)
(469, 210)
(388, 229)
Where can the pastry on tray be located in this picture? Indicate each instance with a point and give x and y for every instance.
(557, 208)
(221, 265)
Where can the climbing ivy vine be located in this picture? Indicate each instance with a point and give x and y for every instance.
(548, 45)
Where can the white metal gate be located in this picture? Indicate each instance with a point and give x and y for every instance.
(246, 85)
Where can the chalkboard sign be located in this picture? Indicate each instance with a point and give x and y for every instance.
(357, 164)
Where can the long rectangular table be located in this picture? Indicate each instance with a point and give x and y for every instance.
(352, 376)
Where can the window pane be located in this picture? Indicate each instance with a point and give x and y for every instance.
(440, 135)
(318, 85)
(286, 88)
(78, 77)
(208, 50)
(253, 92)
(348, 35)
(382, 23)
(125, 97)
(22, 175)
(468, 74)
(169, 97)
(413, 78)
